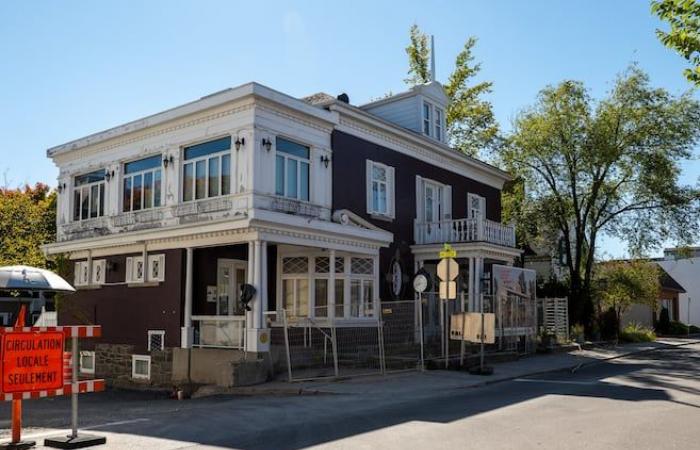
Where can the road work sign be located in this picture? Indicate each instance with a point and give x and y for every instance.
(32, 361)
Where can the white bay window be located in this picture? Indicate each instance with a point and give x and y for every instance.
(292, 169)
(206, 171)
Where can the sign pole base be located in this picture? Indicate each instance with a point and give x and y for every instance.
(21, 445)
(78, 441)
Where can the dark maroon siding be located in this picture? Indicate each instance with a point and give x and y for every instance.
(127, 313)
(350, 154)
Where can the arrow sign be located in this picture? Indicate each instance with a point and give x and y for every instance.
(447, 269)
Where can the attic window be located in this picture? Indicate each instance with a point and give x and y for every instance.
(427, 118)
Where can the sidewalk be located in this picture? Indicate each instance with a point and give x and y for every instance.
(417, 383)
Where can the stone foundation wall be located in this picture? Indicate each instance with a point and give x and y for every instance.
(113, 363)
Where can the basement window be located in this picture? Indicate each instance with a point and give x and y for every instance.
(141, 367)
(87, 362)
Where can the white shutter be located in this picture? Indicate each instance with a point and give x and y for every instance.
(391, 192)
(99, 268)
(447, 202)
(77, 273)
(419, 198)
(482, 207)
(368, 185)
(156, 267)
(129, 269)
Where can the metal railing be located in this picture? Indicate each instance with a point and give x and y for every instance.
(464, 230)
(219, 331)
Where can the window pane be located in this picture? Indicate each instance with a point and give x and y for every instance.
(138, 188)
(291, 178)
(321, 298)
(225, 174)
(375, 196)
(85, 203)
(303, 297)
(94, 195)
(214, 179)
(148, 190)
(355, 292)
(92, 177)
(368, 299)
(378, 173)
(279, 176)
(76, 204)
(188, 180)
(339, 298)
(382, 198)
(288, 296)
(142, 164)
(206, 148)
(304, 182)
(200, 180)
(292, 148)
(126, 198)
(102, 199)
(156, 188)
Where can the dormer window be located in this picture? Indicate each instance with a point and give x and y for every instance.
(427, 118)
(438, 124)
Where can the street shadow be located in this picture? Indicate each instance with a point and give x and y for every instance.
(302, 421)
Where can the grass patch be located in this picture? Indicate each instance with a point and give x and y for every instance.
(635, 332)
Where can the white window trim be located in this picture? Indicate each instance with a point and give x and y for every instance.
(390, 190)
(139, 376)
(100, 264)
(88, 186)
(446, 198)
(438, 123)
(161, 264)
(143, 191)
(131, 263)
(482, 205)
(90, 354)
(206, 158)
(160, 333)
(81, 273)
(429, 119)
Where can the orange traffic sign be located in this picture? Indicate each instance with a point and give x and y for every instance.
(32, 361)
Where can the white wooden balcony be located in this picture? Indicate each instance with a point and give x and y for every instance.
(464, 230)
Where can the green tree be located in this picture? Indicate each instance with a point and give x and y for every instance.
(27, 221)
(623, 284)
(610, 166)
(683, 17)
(471, 124)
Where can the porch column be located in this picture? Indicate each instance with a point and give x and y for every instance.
(186, 331)
(478, 273)
(249, 317)
(263, 284)
(331, 285)
(472, 303)
(375, 292)
(257, 338)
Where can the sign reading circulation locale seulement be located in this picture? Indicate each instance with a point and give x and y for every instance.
(32, 361)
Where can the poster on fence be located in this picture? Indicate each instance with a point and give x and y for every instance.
(515, 295)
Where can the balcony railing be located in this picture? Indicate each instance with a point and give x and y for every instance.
(464, 230)
(219, 331)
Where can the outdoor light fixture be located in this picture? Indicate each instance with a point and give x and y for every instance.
(61, 187)
(267, 144)
(167, 160)
(108, 174)
(239, 142)
(325, 160)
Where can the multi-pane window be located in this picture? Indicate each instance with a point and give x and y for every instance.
(380, 189)
(142, 184)
(427, 118)
(207, 170)
(89, 195)
(438, 124)
(292, 168)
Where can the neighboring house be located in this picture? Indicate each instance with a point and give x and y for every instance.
(668, 299)
(325, 208)
(684, 266)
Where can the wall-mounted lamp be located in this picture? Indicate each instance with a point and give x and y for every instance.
(167, 159)
(325, 160)
(267, 144)
(239, 142)
(61, 187)
(108, 174)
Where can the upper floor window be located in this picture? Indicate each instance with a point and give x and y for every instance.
(438, 124)
(207, 170)
(292, 169)
(142, 184)
(380, 189)
(476, 206)
(427, 118)
(89, 195)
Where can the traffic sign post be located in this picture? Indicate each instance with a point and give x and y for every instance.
(447, 272)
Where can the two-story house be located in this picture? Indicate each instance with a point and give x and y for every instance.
(324, 208)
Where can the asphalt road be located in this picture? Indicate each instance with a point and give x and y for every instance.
(649, 401)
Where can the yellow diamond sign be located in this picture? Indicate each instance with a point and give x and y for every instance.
(448, 252)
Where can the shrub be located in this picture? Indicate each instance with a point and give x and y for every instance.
(677, 329)
(577, 333)
(635, 332)
(664, 323)
(694, 329)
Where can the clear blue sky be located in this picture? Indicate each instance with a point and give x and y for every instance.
(71, 68)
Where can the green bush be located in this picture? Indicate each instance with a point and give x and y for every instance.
(677, 329)
(694, 329)
(635, 332)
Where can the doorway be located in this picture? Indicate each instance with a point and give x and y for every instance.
(231, 274)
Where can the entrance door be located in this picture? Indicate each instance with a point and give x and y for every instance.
(231, 275)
